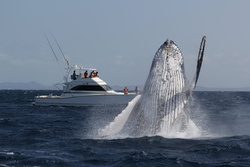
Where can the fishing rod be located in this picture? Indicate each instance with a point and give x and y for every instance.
(67, 62)
(53, 52)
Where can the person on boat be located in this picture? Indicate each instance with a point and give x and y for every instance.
(96, 74)
(136, 90)
(125, 90)
(74, 75)
(91, 74)
(86, 74)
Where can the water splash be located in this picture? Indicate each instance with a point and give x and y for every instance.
(119, 121)
(191, 131)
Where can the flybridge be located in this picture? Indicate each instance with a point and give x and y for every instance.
(75, 67)
(69, 69)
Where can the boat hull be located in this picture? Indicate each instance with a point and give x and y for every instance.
(86, 100)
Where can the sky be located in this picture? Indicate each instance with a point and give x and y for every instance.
(120, 38)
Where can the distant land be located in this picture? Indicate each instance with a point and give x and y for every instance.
(25, 86)
(36, 86)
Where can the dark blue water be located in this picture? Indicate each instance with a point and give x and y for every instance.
(57, 136)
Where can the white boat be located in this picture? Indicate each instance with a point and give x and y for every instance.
(84, 91)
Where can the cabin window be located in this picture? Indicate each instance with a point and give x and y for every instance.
(91, 88)
(106, 87)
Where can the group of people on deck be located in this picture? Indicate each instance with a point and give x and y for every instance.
(85, 75)
(91, 75)
(125, 90)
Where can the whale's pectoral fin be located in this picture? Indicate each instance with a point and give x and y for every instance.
(199, 63)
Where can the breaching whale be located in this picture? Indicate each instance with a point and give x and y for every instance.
(165, 98)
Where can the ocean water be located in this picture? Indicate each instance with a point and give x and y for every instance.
(218, 135)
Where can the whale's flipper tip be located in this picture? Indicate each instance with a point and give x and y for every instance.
(199, 62)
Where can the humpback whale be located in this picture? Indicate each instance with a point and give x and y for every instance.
(163, 104)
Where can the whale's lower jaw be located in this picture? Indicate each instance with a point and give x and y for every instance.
(177, 121)
(142, 128)
(161, 106)
(153, 115)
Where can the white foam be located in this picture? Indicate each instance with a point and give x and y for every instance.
(192, 131)
(119, 121)
(7, 153)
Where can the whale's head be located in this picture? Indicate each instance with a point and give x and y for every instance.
(167, 61)
(172, 54)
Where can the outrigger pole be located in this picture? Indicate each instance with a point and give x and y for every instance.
(67, 62)
(53, 51)
(50, 46)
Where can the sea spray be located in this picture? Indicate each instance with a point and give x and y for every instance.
(191, 131)
(119, 121)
